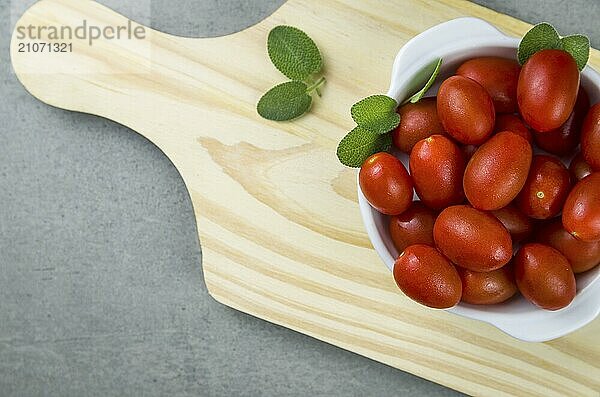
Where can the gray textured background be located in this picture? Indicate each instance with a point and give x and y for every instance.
(101, 292)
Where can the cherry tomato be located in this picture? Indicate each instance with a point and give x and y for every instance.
(497, 171)
(417, 121)
(516, 222)
(466, 110)
(544, 276)
(413, 226)
(499, 76)
(546, 188)
(581, 255)
(427, 277)
(512, 123)
(590, 137)
(579, 168)
(437, 166)
(386, 184)
(487, 288)
(472, 239)
(581, 213)
(547, 89)
(564, 139)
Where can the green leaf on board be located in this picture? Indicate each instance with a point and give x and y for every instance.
(285, 101)
(293, 53)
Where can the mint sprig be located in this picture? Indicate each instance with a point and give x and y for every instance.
(293, 53)
(359, 144)
(376, 117)
(296, 56)
(577, 45)
(419, 94)
(376, 114)
(285, 101)
(544, 36)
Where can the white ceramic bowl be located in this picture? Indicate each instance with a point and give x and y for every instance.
(456, 41)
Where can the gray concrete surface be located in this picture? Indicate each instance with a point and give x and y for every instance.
(101, 292)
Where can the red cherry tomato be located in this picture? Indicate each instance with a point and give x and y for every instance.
(427, 277)
(546, 189)
(417, 121)
(579, 168)
(581, 213)
(386, 184)
(547, 89)
(512, 123)
(590, 137)
(544, 276)
(437, 166)
(497, 171)
(487, 288)
(413, 226)
(565, 139)
(466, 110)
(499, 76)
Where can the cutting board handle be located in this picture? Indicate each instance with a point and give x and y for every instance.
(54, 48)
(141, 79)
(425, 46)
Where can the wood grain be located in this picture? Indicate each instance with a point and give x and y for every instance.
(277, 216)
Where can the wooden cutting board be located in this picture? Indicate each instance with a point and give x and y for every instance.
(277, 215)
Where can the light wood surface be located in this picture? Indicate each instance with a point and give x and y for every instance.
(278, 221)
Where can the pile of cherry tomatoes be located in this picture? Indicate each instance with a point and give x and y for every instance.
(484, 193)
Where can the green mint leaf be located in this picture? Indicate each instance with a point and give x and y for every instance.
(376, 113)
(540, 37)
(579, 47)
(436, 70)
(359, 144)
(293, 53)
(285, 101)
